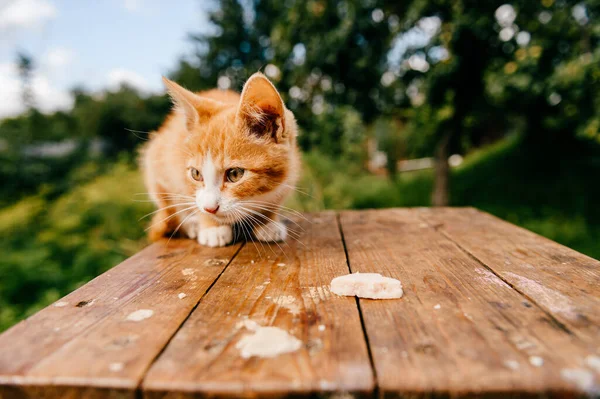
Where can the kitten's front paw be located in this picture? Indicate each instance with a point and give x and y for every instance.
(191, 227)
(215, 236)
(271, 232)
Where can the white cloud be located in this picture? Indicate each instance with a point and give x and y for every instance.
(58, 57)
(133, 5)
(10, 101)
(119, 76)
(26, 14)
(47, 97)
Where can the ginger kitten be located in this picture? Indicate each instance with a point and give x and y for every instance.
(221, 159)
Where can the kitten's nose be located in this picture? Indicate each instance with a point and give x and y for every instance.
(212, 210)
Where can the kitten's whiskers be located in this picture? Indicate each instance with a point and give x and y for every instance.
(167, 207)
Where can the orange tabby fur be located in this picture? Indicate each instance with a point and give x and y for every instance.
(213, 132)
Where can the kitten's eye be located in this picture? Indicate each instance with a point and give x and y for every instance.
(195, 173)
(235, 174)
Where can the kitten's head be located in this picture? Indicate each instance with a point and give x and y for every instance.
(241, 150)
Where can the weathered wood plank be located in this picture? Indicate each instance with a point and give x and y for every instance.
(85, 346)
(562, 281)
(288, 288)
(459, 328)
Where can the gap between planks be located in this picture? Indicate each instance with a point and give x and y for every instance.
(139, 393)
(189, 367)
(360, 312)
(486, 266)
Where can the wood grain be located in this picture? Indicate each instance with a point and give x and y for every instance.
(489, 309)
(562, 281)
(85, 340)
(286, 287)
(459, 329)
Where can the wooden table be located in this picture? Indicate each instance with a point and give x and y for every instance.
(488, 309)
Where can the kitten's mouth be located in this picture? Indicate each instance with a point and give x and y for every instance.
(220, 216)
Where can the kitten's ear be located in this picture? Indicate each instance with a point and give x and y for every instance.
(261, 109)
(195, 108)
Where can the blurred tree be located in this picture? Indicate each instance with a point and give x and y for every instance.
(321, 55)
(25, 65)
(549, 74)
(119, 119)
(453, 73)
(491, 64)
(228, 54)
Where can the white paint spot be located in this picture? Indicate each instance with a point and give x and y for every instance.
(252, 261)
(522, 344)
(93, 301)
(61, 304)
(593, 362)
(140, 315)
(582, 378)
(326, 385)
(190, 274)
(438, 306)
(115, 367)
(536, 361)
(288, 302)
(367, 285)
(512, 364)
(321, 327)
(281, 264)
(553, 300)
(317, 294)
(181, 295)
(489, 277)
(266, 342)
(249, 324)
(314, 346)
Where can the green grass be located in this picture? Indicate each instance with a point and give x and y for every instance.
(554, 197)
(51, 247)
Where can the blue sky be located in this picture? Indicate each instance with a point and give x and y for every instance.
(94, 43)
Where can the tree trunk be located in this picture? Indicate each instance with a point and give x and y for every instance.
(441, 182)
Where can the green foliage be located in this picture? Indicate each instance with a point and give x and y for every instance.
(67, 218)
(117, 121)
(52, 247)
(556, 201)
